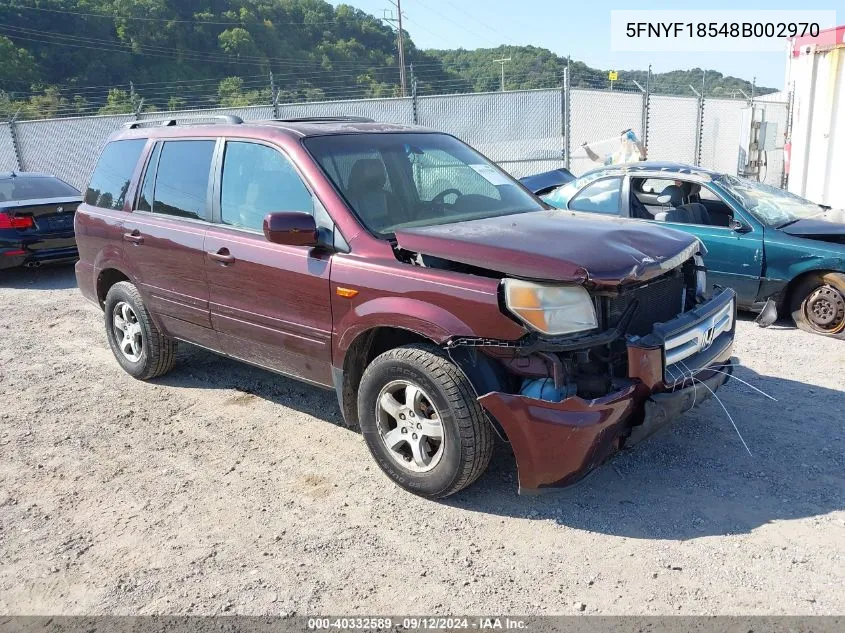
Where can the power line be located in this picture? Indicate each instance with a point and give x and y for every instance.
(148, 19)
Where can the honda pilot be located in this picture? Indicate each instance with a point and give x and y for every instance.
(443, 302)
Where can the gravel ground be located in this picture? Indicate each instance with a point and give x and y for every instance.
(223, 488)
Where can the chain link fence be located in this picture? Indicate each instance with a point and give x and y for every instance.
(521, 130)
(673, 128)
(597, 117)
(8, 159)
(524, 131)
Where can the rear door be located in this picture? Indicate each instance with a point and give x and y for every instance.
(164, 236)
(270, 303)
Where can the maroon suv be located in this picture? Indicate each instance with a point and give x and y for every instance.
(443, 302)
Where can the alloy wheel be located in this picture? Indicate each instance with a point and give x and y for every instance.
(127, 331)
(410, 426)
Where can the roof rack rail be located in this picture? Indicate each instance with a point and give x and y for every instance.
(222, 119)
(327, 119)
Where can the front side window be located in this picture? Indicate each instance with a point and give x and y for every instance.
(113, 173)
(397, 180)
(181, 186)
(258, 180)
(600, 197)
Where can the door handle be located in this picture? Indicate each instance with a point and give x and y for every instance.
(135, 237)
(222, 255)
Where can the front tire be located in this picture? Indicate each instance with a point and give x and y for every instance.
(818, 304)
(422, 423)
(138, 345)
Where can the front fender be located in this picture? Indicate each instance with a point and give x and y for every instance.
(428, 320)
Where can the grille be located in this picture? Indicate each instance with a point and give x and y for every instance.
(660, 300)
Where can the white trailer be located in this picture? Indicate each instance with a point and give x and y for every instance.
(816, 75)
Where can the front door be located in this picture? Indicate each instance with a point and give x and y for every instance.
(270, 303)
(164, 237)
(734, 255)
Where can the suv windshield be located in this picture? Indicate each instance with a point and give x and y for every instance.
(396, 180)
(770, 205)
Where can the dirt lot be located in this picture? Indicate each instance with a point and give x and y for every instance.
(223, 488)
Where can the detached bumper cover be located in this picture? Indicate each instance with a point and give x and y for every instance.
(558, 443)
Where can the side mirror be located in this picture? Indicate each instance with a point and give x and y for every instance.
(664, 198)
(737, 226)
(293, 228)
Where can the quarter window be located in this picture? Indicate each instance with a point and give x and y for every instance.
(145, 202)
(181, 187)
(601, 196)
(113, 174)
(258, 180)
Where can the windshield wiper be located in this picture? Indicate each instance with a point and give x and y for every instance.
(785, 224)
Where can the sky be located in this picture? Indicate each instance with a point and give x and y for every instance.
(578, 28)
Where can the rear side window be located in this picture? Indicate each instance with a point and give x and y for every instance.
(600, 197)
(181, 186)
(258, 180)
(113, 174)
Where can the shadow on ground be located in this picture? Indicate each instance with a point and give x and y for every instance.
(694, 479)
(784, 321)
(199, 368)
(50, 277)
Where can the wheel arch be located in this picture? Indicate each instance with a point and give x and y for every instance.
(482, 372)
(107, 278)
(797, 280)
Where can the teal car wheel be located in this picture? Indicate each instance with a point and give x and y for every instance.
(818, 304)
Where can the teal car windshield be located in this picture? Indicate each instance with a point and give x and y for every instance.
(560, 197)
(770, 205)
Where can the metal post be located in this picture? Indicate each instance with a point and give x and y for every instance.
(565, 116)
(401, 48)
(414, 96)
(502, 62)
(274, 94)
(700, 131)
(647, 109)
(644, 119)
(15, 143)
(787, 136)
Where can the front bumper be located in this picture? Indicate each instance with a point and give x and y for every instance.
(558, 443)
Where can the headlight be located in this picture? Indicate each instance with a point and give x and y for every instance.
(551, 309)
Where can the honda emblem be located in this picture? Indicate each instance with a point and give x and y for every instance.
(707, 339)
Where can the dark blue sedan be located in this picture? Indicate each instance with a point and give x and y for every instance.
(36, 219)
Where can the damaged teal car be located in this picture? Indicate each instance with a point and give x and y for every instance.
(782, 254)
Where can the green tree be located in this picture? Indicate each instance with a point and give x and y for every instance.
(118, 102)
(18, 66)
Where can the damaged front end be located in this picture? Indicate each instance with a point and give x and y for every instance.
(567, 403)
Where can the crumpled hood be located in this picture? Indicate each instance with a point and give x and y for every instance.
(557, 245)
(823, 226)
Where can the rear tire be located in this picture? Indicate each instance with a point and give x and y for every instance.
(138, 345)
(443, 441)
(818, 304)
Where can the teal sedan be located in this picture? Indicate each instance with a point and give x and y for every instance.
(775, 249)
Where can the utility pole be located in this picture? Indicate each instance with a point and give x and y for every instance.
(502, 62)
(400, 41)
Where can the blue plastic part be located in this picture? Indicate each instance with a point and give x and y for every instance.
(541, 389)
